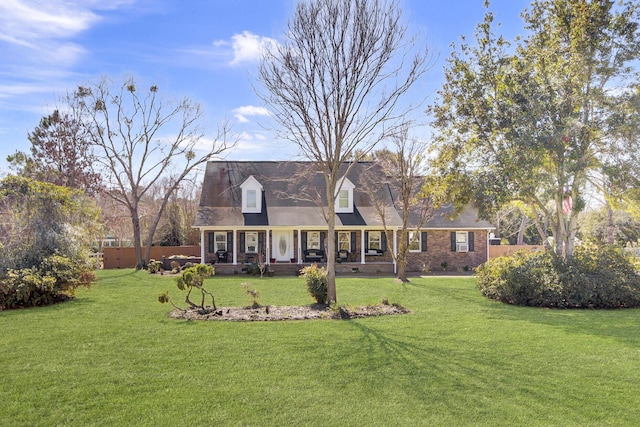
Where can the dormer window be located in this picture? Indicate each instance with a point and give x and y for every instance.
(251, 199)
(343, 199)
(344, 196)
(251, 195)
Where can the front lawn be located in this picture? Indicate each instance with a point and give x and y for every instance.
(113, 357)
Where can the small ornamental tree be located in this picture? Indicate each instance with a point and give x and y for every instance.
(193, 278)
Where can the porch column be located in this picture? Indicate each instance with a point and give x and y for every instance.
(362, 246)
(488, 244)
(202, 252)
(267, 246)
(395, 251)
(299, 248)
(235, 247)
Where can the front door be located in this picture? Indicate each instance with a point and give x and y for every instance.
(282, 245)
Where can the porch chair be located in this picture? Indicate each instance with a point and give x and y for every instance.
(222, 255)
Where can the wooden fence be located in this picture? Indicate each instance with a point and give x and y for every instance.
(126, 257)
(503, 250)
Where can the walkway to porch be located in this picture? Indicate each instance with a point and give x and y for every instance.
(292, 269)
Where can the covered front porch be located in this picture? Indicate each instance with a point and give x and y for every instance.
(384, 268)
(289, 249)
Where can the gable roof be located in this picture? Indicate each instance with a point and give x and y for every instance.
(294, 196)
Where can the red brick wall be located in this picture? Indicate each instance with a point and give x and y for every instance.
(439, 251)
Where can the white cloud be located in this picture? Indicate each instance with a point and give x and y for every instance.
(7, 91)
(241, 113)
(39, 31)
(247, 47)
(39, 44)
(25, 23)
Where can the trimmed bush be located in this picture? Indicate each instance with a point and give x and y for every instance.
(253, 269)
(154, 266)
(55, 281)
(595, 277)
(316, 280)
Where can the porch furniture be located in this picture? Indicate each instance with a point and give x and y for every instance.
(222, 255)
(374, 252)
(343, 255)
(313, 255)
(166, 261)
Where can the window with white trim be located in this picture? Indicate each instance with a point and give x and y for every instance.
(462, 241)
(313, 240)
(220, 239)
(251, 242)
(415, 243)
(251, 199)
(344, 241)
(375, 240)
(343, 199)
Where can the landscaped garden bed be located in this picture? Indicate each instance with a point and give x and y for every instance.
(299, 312)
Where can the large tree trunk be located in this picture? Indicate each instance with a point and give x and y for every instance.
(558, 229)
(401, 258)
(542, 231)
(402, 270)
(523, 227)
(572, 225)
(154, 226)
(332, 297)
(610, 225)
(137, 240)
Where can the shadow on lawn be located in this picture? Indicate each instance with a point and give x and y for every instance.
(422, 367)
(621, 324)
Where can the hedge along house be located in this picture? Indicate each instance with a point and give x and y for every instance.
(274, 212)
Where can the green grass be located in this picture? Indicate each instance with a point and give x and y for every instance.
(113, 357)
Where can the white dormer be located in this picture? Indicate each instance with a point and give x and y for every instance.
(251, 195)
(344, 196)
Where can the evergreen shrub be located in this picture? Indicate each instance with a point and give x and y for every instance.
(316, 280)
(53, 281)
(594, 277)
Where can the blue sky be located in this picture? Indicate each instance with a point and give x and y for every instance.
(206, 50)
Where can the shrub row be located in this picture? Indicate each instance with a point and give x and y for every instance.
(594, 277)
(55, 280)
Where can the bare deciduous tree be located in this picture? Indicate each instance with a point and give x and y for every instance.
(335, 83)
(403, 168)
(141, 139)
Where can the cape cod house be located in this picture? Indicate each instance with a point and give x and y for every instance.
(273, 212)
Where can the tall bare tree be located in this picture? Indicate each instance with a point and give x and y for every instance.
(334, 85)
(141, 139)
(403, 167)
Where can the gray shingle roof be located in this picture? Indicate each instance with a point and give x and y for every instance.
(293, 192)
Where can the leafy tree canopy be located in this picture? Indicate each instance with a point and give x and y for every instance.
(39, 219)
(529, 120)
